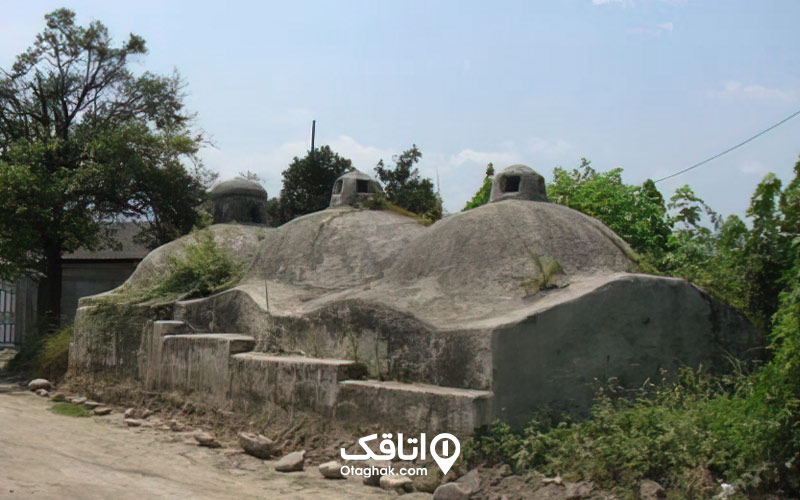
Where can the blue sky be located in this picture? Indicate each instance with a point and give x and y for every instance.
(651, 86)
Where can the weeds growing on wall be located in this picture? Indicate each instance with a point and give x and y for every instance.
(547, 272)
(117, 320)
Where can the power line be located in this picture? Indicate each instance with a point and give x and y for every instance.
(732, 148)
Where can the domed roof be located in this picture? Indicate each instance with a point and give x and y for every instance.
(357, 174)
(518, 182)
(238, 186)
(495, 244)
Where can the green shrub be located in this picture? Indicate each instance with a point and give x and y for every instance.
(53, 358)
(203, 269)
(43, 355)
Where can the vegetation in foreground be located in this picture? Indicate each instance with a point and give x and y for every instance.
(70, 410)
(693, 433)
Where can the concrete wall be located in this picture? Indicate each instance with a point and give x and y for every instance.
(630, 329)
(201, 362)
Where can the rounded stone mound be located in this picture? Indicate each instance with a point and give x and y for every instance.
(334, 248)
(499, 243)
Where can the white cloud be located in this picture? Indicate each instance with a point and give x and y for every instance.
(667, 27)
(739, 90)
(753, 167)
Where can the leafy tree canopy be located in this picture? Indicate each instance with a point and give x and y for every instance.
(307, 184)
(405, 188)
(84, 141)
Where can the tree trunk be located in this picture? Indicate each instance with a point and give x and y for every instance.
(49, 295)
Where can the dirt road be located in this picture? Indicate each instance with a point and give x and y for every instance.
(49, 456)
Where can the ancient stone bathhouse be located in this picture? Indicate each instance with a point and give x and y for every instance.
(514, 307)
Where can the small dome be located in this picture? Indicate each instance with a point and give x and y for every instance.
(352, 187)
(238, 186)
(239, 200)
(518, 182)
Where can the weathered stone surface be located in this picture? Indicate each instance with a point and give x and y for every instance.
(176, 426)
(129, 412)
(452, 491)
(207, 439)
(91, 404)
(58, 397)
(331, 470)
(651, 490)
(396, 483)
(256, 445)
(132, 422)
(292, 382)
(422, 305)
(201, 362)
(518, 182)
(78, 400)
(42, 392)
(462, 489)
(102, 411)
(442, 409)
(580, 490)
(291, 462)
(39, 383)
(428, 482)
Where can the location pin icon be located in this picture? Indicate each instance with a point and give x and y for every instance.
(445, 462)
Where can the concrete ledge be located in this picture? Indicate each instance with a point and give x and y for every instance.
(419, 406)
(292, 382)
(201, 362)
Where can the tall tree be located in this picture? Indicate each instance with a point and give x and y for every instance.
(307, 183)
(405, 188)
(483, 194)
(84, 141)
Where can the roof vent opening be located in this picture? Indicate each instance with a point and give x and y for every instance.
(510, 183)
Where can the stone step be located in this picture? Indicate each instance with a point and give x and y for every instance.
(201, 361)
(426, 407)
(292, 382)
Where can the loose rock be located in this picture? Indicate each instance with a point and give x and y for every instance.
(132, 422)
(580, 490)
(58, 397)
(176, 426)
(129, 412)
(39, 383)
(42, 392)
(452, 491)
(331, 470)
(79, 400)
(396, 483)
(651, 490)
(146, 413)
(292, 462)
(256, 445)
(207, 439)
(102, 411)
(91, 404)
